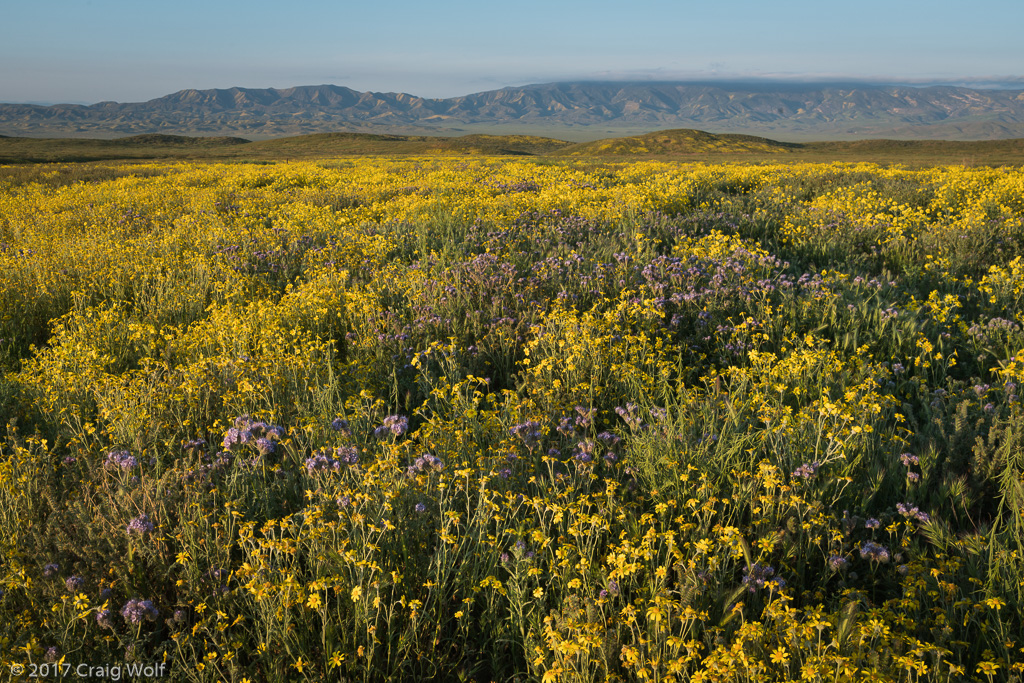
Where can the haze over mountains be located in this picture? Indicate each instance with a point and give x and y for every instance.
(577, 110)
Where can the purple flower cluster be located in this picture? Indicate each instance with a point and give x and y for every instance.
(807, 470)
(631, 414)
(611, 590)
(529, 432)
(260, 435)
(585, 451)
(585, 417)
(424, 463)
(341, 426)
(837, 563)
(874, 552)
(194, 446)
(889, 314)
(758, 576)
(140, 525)
(911, 512)
(120, 460)
(396, 425)
(74, 583)
(135, 611)
(50, 570)
(105, 618)
(322, 461)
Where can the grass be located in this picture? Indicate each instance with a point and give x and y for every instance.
(672, 144)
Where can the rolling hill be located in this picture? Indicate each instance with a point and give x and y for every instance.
(579, 111)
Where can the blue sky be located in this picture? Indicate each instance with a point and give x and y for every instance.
(94, 50)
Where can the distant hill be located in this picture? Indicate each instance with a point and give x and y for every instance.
(680, 145)
(579, 111)
(677, 142)
(315, 146)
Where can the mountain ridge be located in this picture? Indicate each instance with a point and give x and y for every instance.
(592, 108)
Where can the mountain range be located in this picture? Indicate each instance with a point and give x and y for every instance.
(575, 110)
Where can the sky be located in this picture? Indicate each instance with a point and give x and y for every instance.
(88, 51)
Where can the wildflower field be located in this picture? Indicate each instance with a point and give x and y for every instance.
(500, 420)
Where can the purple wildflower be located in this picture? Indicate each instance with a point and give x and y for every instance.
(630, 414)
(421, 508)
(585, 451)
(586, 416)
(321, 462)
(756, 576)
(194, 446)
(51, 570)
(807, 470)
(912, 512)
(105, 618)
(874, 552)
(529, 432)
(233, 437)
(909, 459)
(134, 611)
(140, 525)
(120, 459)
(837, 563)
(396, 425)
(74, 583)
(347, 455)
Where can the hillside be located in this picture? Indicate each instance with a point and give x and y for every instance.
(677, 142)
(681, 144)
(581, 111)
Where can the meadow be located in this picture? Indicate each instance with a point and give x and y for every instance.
(494, 419)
